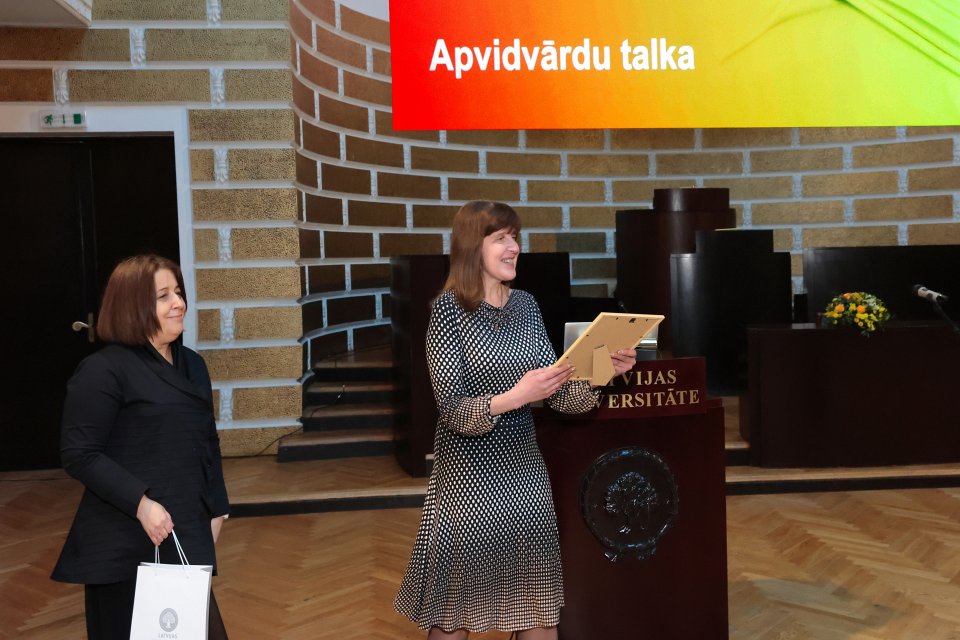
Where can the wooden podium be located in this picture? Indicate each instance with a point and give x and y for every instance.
(832, 398)
(638, 486)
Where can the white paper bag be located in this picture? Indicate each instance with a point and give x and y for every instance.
(171, 600)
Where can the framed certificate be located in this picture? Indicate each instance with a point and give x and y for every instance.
(608, 333)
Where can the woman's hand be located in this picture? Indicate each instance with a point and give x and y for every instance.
(155, 520)
(536, 384)
(539, 384)
(215, 525)
(623, 360)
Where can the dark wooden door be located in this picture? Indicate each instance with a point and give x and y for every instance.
(71, 208)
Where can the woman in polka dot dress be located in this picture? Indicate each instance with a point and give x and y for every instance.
(487, 554)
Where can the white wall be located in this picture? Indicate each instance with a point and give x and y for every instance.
(376, 8)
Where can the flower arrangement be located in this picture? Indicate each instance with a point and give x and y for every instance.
(858, 308)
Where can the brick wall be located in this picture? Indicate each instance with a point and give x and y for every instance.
(369, 192)
(227, 64)
(302, 190)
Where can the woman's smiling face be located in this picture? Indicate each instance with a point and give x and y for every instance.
(170, 307)
(500, 253)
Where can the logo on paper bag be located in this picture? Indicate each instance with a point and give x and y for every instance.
(168, 620)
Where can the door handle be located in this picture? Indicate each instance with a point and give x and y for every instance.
(88, 325)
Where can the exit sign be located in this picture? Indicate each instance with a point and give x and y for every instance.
(63, 119)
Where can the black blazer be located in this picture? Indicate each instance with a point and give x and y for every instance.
(134, 424)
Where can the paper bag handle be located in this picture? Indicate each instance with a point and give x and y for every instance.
(183, 556)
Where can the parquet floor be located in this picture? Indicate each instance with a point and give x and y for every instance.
(871, 565)
(257, 480)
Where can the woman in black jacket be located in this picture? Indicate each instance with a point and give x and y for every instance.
(138, 432)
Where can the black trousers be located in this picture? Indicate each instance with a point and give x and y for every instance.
(110, 612)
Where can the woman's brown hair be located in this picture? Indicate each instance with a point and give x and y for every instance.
(128, 314)
(474, 221)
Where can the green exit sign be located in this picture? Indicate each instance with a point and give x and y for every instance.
(61, 119)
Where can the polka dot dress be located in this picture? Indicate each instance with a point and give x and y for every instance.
(486, 554)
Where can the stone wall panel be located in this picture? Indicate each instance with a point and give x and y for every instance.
(254, 10)
(265, 244)
(244, 204)
(18, 43)
(399, 244)
(934, 179)
(523, 163)
(820, 135)
(149, 11)
(652, 139)
(746, 137)
(248, 283)
(325, 278)
(446, 160)
(221, 125)
(147, 85)
(259, 323)
(844, 184)
(261, 45)
(400, 185)
(903, 153)
(364, 26)
(26, 85)
(377, 214)
(323, 209)
(208, 325)
(366, 89)
(319, 72)
(261, 164)
(608, 164)
(254, 363)
(797, 212)
(370, 276)
(702, 163)
(796, 160)
(565, 190)
(893, 209)
(317, 139)
(206, 245)
(201, 165)
(346, 244)
(266, 402)
(258, 85)
(849, 236)
(944, 233)
(351, 309)
(376, 152)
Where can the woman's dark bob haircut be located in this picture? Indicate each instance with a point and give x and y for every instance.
(474, 221)
(128, 314)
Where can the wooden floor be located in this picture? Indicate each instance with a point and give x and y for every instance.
(877, 565)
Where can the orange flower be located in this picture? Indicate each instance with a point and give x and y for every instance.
(846, 296)
(862, 308)
(838, 308)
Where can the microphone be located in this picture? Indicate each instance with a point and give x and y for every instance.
(929, 294)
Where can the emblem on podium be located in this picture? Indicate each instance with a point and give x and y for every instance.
(628, 498)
